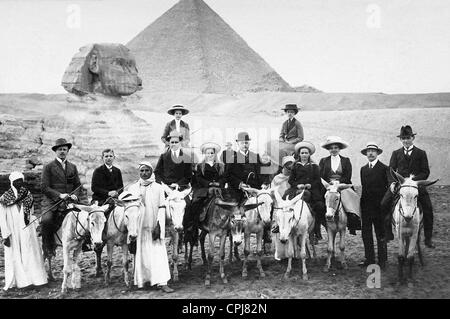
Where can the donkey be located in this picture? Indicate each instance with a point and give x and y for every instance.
(296, 223)
(407, 220)
(257, 209)
(81, 222)
(121, 230)
(220, 216)
(175, 208)
(336, 220)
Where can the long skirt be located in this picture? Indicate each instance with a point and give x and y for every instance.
(351, 202)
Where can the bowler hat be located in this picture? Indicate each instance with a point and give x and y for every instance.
(174, 134)
(292, 107)
(243, 136)
(406, 131)
(372, 146)
(181, 108)
(61, 142)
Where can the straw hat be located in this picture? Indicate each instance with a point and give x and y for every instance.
(212, 145)
(334, 140)
(310, 146)
(181, 108)
(372, 146)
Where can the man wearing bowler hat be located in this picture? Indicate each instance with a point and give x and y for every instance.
(374, 181)
(409, 160)
(245, 171)
(59, 180)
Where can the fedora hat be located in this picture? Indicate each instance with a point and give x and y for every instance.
(292, 107)
(208, 145)
(305, 144)
(243, 136)
(371, 146)
(61, 142)
(334, 140)
(406, 131)
(174, 134)
(181, 108)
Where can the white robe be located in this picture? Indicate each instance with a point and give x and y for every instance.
(24, 263)
(151, 264)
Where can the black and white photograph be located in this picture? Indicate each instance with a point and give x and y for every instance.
(238, 150)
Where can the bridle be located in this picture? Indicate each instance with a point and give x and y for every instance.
(77, 222)
(337, 209)
(400, 207)
(124, 210)
(258, 204)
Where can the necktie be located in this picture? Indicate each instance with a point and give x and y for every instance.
(370, 165)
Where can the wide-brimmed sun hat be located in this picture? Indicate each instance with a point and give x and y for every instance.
(208, 145)
(334, 140)
(371, 146)
(287, 159)
(305, 144)
(181, 108)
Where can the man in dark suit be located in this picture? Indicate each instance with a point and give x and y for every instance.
(174, 167)
(374, 181)
(59, 179)
(107, 179)
(178, 125)
(409, 160)
(246, 171)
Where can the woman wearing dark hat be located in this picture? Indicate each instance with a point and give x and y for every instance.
(291, 131)
(305, 176)
(209, 173)
(177, 111)
(339, 168)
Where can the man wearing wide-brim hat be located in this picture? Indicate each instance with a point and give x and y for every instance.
(59, 181)
(291, 131)
(374, 181)
(410, 160)
(178, 125)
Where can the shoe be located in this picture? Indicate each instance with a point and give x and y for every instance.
(166, 289)
(389, 236)
(366, 263)
(382, 265)
(429, 243)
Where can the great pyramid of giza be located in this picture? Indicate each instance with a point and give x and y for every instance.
(191, 48)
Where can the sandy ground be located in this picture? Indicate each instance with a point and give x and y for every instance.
(430, 281)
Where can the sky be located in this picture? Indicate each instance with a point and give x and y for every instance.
(390, 46)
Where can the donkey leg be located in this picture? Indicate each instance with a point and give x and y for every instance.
(125, 265)
(191, 248)
(230, 258)
(259, 252)
(202, 245)
(76, 273)
(109, 250)
(401, 262)
(210, 259)
(98, 253)
(342, 249)
(175, 255)
(303, 257)
(67, 269)
(330, 249)
(186, 256)
(288, 269)
(223, 239)
(246, 253)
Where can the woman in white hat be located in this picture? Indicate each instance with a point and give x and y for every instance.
(209, 173)
(177, 111)
(339, 168)
(24, 263)
(305, 176)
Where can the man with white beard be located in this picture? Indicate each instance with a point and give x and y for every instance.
(151, 264)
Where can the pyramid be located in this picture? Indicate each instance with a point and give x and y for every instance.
(191, 48)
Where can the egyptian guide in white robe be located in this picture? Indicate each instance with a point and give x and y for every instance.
(24, 263)
(151, 263)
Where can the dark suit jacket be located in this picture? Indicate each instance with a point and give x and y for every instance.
(227, 156)
(168, 171)
(211, 174)
(308, 174)
(103, 182)
(56, 181)
(325, 169)
(170, 126)
(294, 135)
(238, 171)
(416, 165)
(374, 183)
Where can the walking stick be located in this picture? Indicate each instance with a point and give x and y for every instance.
(53, 206)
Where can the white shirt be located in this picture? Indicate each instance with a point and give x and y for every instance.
(373, 163)
(335, 161)
(177, 125)
(62, 163)
(176, 153)
(109, 167)
(245, 154)
(408, 150)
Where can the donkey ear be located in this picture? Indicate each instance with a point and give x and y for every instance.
(324, 183)
(426, 183)
(397, 176)
(105, 207)
(296, 198)
(344, 186)
(186, 192)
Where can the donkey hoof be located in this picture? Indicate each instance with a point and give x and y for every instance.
(262, 275)
(99, 274)
(207, 283)
(175, 278)
(344, 266)
(326, 269)
(244, 274)
(286, 276)
(225, 280)
(305, 277)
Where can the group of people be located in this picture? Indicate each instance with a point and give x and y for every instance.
(232, 169)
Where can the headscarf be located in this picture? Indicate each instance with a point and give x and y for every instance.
(146, 182)
(20, 196)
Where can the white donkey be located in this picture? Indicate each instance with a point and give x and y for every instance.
(175, 208)
(257, 210)
(79, 223)
(336, 220)
(407, 219)
(121, 230)
(295, 223)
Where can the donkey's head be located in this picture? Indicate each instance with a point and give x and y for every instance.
(409, 192)
(261, 203)
(333, 197)
(131, 212)
(285, 214)
(95, 221)
(175, 206)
